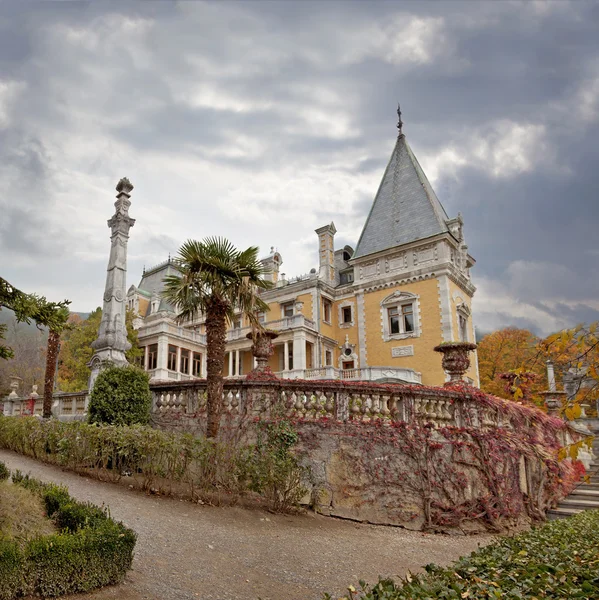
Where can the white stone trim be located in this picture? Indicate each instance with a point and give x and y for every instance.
(361, 314)
(400, 298)
(340, 307)
(445, 308)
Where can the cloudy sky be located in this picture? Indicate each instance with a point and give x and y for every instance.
(263, 121)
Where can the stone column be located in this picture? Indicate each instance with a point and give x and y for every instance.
(285, 356)
(230, 363)
(111, 343)
(299, 350)
(146, 352)
(162, 358)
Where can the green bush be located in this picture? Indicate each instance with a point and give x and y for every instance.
(558, 560)
(121, 396)
(90, 552)
(212, 470)
(4, 472)
(275, 471)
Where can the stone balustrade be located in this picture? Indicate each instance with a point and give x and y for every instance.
(331, 400)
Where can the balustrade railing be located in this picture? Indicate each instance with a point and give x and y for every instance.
(348, 401)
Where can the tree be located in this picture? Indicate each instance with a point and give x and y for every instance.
(216, 280)
(28, 344)
(51, 355)
(575, 355)
(27, 308)
(511, 353)
(76, 350)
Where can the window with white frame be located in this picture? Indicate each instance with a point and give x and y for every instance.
(463, 318)
(287, 309)
(399, 316)
(346, 315)
(327, 309)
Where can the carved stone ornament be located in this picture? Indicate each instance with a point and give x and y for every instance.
(455, 359)
(262, 348)
(124, 185)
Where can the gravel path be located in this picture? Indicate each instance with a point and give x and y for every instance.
(188, 551)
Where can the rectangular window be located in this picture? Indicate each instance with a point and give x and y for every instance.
(346, 314)
(328, 358)
(463, 326)
(261, 317)
(172, 358)
(326, 309)
(287, 309)
(393, 320)
(184, 362)
(407, 311)
(290, 357)
(197, 364)
(237, 324)
(152, 357)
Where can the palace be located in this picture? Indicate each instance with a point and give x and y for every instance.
(370, 313)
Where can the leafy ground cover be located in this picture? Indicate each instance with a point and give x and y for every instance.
(559, 560)
(82, 548)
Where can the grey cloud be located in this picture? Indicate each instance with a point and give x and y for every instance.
(504, 61)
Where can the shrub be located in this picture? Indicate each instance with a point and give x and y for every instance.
(275, 471)
(208, 469)
(90, 552)
(4, 472)
(557, 560)
(121, 396)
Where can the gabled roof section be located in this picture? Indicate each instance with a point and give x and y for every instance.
(405, 208)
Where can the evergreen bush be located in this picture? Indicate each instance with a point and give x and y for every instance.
(4, 472)
(91, 551)
(557, 560)
(121, 396)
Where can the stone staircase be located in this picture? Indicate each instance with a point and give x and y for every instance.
(584, 496)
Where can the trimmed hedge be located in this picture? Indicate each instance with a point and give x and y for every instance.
(91, 551)
(163, 461)
(121, 396)
(558, 560)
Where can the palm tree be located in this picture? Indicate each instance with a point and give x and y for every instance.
(216, 280)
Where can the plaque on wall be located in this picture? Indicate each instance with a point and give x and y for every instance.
(402, 351)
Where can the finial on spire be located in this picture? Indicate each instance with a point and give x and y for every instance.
(399, 121)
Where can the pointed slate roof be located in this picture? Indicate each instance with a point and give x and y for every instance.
(405, 208)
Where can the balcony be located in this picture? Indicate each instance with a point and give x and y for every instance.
(380, 374)
(175, 330)
(287, 323)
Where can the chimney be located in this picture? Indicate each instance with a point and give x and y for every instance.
(326, 253)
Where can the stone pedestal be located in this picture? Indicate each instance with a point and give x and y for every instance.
(262, 350)
(455, 359)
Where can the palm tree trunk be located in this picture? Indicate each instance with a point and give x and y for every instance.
(51, 355)
(216, 329)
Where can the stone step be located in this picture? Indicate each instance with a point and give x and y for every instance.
(583, 491)
(583, 503)
(562, 513)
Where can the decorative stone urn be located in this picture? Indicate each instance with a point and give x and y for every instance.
(553, 402)
(262, 348)
(455, 359)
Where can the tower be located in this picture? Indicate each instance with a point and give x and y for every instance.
(111, 343)
(326, 252)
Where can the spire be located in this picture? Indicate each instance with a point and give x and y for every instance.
(399, 121)
(405, 208)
